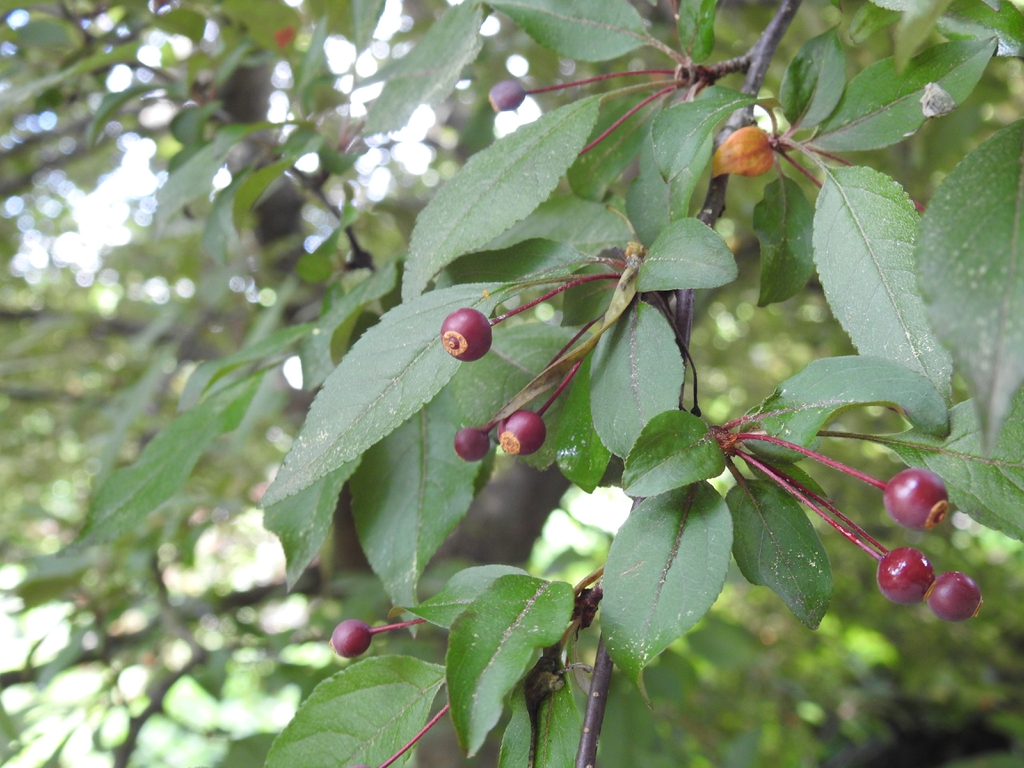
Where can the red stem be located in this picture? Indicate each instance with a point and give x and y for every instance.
(800, 168)
(823, 153)
(547, 88)
(389, 627)
(558, 290)
(629, 113)
(417, 737)
(557, 392)
(573, 340)
(814, 455)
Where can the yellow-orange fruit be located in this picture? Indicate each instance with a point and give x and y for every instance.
(746, 153)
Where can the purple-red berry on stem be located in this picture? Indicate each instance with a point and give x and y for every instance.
(955, 597)
(905, 575)
(506, 95)
(351, 638)
(466, 334)
(916, 498)
(522, 433)
(471, 444)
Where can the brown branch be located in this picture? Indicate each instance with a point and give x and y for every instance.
(597, 700)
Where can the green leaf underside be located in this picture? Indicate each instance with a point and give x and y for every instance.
(494, 189)
(523, 262)
(132, 492)
(460, 591)
(804, 403)
(975, 20)
(490, 644)
(776, 546)
(302, 521)
(648, 199)
(665, 569)
(636, 374)
(588, 30)
(972, 271)
(558, 731)
(784, 223)
(988, 487)
(864, 232)
(428, 73)
(881, 107)
(409, 493)
(687, 254)
(582, 224)
(363, 714)
(814, 80)
(674, 449)
(696, 28)
(394, 368)
(581, 455)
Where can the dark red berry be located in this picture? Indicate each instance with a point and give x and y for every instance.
(471, 444)
(916, 498)
(351, 638)
(466, 334)
(522, 433)
(955, 597)
(904, 576)
(506, 95)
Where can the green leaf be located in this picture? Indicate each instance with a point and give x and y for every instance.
(881, 107)
(687, 254)
(111, 103)
(302, 521)
(697, 28)
(363, 714)
(814, 80)
(495, 189)
(636, 374)
(869, 19)
(914, 27)
(776, 546)
(972, 271)
(674, 449)
(665, 569)
(220, 234)
(182, 21)
(581, 455)
(313, 65)
(131, 493)
(409, 493)
(523, 262)
(588, 30)
(253, 188)
(976, 20)
(558, 731)
(804, 403)
(988, 485)
(365, 15)
(428, 73)
(491, 642)
(460, 591)
(261, 18)
(864, 232)
(582, 224)
(783, 221)
(649, 200)
(394, 368)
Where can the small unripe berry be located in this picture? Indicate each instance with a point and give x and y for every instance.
(506, 95)
(905, 575)
(522, 433)
(351, 638)
(746, 152)
(466, 334)
(916, 498)
(955, 597)
(471, 444)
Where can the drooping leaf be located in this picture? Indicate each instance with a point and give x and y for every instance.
(313, 64)
(976, 20)
(365, 15)
(636, 374)
(490, 644)
(302, 521)
(428, 73)
(558, 731)
(804, 403)
(582, 224)
(649, 200)
(495, 189)
(776, 546)
(182, 21)
(864, 232)
(987, 485)
(523, 262)
(131, 493)
(665, 569)
(220, 234)
(408, 494)
(460, 592)
(588, 30)
(581, 455)
(343, 717)
(881, 107)
(814, 80)
(687, 254)
(696, 28)
(971, 268)
(395, 367)
(784, 223)
(914, 27)
(869, 19)
(674, 449)
(109, 106)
